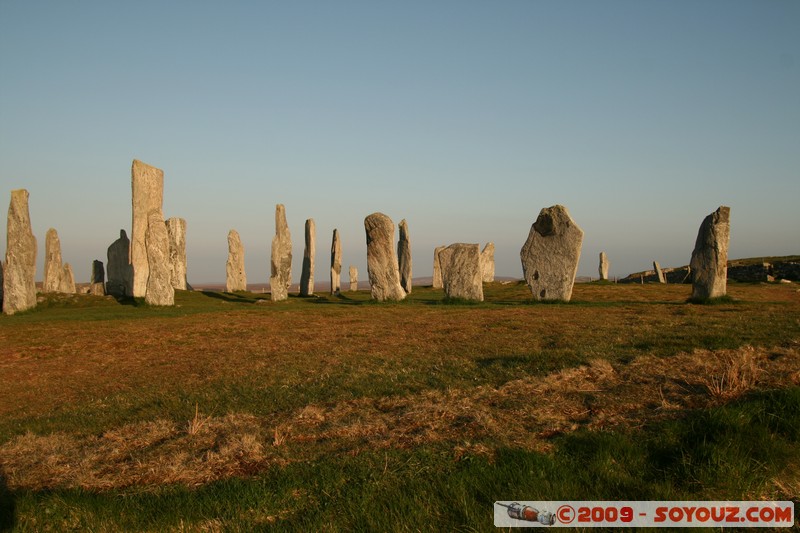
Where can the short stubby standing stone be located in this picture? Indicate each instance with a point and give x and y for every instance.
(147, 184)
(462, 275)
(384, 277)
(550, 255)
(159, 282)
(281, 257)
(437, 268)
(336, 263)
(120, 270)
(603, 267)
(309, 253)
(487, 262)
(235, 278)
(97, 284)
(659, 273)
(19, 270)
(709, 265)
(176, 231)
(53, 267)
(353, 278)
(404, 256)
(67, 280)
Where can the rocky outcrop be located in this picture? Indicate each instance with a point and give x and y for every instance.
(159, 289)
(309, 253)
(336, 263)
(461, 271)
(709, 262)
(281, 257)
(487, 263)
(19, 270)
(382, 269)
(176, 232)
(603, 267)
(404, 257)
(437, 268)
(353, 278)
(235, 277)
(147, 183)
(120, 270)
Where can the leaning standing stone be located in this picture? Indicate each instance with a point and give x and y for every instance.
(437, 268)
(281, 258)
(603, 267)
(97, 281)
(384, 278)
(461, 271)
(709, 265)
(147, 185)
(404, 257)
(336, 263)
(159, 289)
(659, 273)
(19, 271)
(176, 231)
(487, 262)
(353, 278)
(120, 270)
(235, 279)
(307, 274)
(550, 255)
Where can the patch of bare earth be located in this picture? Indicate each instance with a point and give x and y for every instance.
(522, 413)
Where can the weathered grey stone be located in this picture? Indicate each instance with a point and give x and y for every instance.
(97, 284)
(147, 184)
(159, 281)
(603, 267)
(353, 278)
(281, 257)
(235, 279)
(462, 276)
(309, 253)
(336, 263)
(550, 255)
(67, 280)
(659, 272)
(120, 270)
(176, 232)
(709, 262)
(53, 267)
(487, 262)
(384, 277)
(437, 268)
(19, 271)
(404, 257)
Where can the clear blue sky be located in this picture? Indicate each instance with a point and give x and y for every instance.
(465, 118)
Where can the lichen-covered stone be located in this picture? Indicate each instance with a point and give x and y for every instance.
(19, 270)
(382, 269)
(709, 264)
(281, 257)
(603, 267)
(147, 184)
(336, 263)
(353, 278)
(176, 232)
(437, 268)
(159, 290)
(404, 257)
(487, 262)
(659, 272)
(462, 275)
(53, 266)
(235, 277)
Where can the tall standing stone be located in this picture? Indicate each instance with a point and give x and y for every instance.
(53, 266)
(97, 284)
(550, 255)
(235, 279)
(404, 257)
(462, 275)
(147, 184)
(176, 232)
(659, 272)
(709, 265)
(603, 266)
(19, 271)
(487, 263)
(384, 277)
(281, 257)
(120, 270)
(353, 278)
(159, 290)
(309, 252)
(437, 268)
(336, 263)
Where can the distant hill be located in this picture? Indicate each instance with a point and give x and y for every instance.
(748, 269)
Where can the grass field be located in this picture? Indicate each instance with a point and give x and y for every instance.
(228, 412)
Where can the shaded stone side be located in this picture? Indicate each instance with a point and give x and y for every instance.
(462, 276)
(336, 263)
(404, 257)
(309, 253)
(147, 185)
(176, 232)
(19, 270)
(235, 277)
(384, 277)
(709, 262)
(353, 278)
(487, 262)
(281, 257)
(159, 289)
(437, 268)
(120, 270)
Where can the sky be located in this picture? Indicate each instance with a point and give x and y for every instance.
(464, 117)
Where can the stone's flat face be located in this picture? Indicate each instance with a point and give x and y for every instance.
(462, 275)
(176, 231)
(281, 257)
(159, 289)
(404, 257)
(709, 265)
(235, 278)
(147, 184)
(437, 268)
(384, 277)
(53, 267)
(309, 253)
(659, 272)
(487, 262)
(336, 263)
(97, 284)
(353, 278)
(67, 280)
(19, 270)
(550, 255)
(603, 267)
(120, 270)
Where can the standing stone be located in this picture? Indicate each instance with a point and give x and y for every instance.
(67, 280)
(603, 267)
(176, 232)
(462, 275)
(53, 267)
(159, 290)
(659, 272)
(384, 277)
(281, 258)
(1, 283)
(709, 263)
(487, 262)
(307, 274)
(353, 278)
(437, 268)
(147, 183)
(235, 279)
(120, 270)
(19, 271)
(404, 257)
(97, 284)
(550, 255)
(336, 263)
